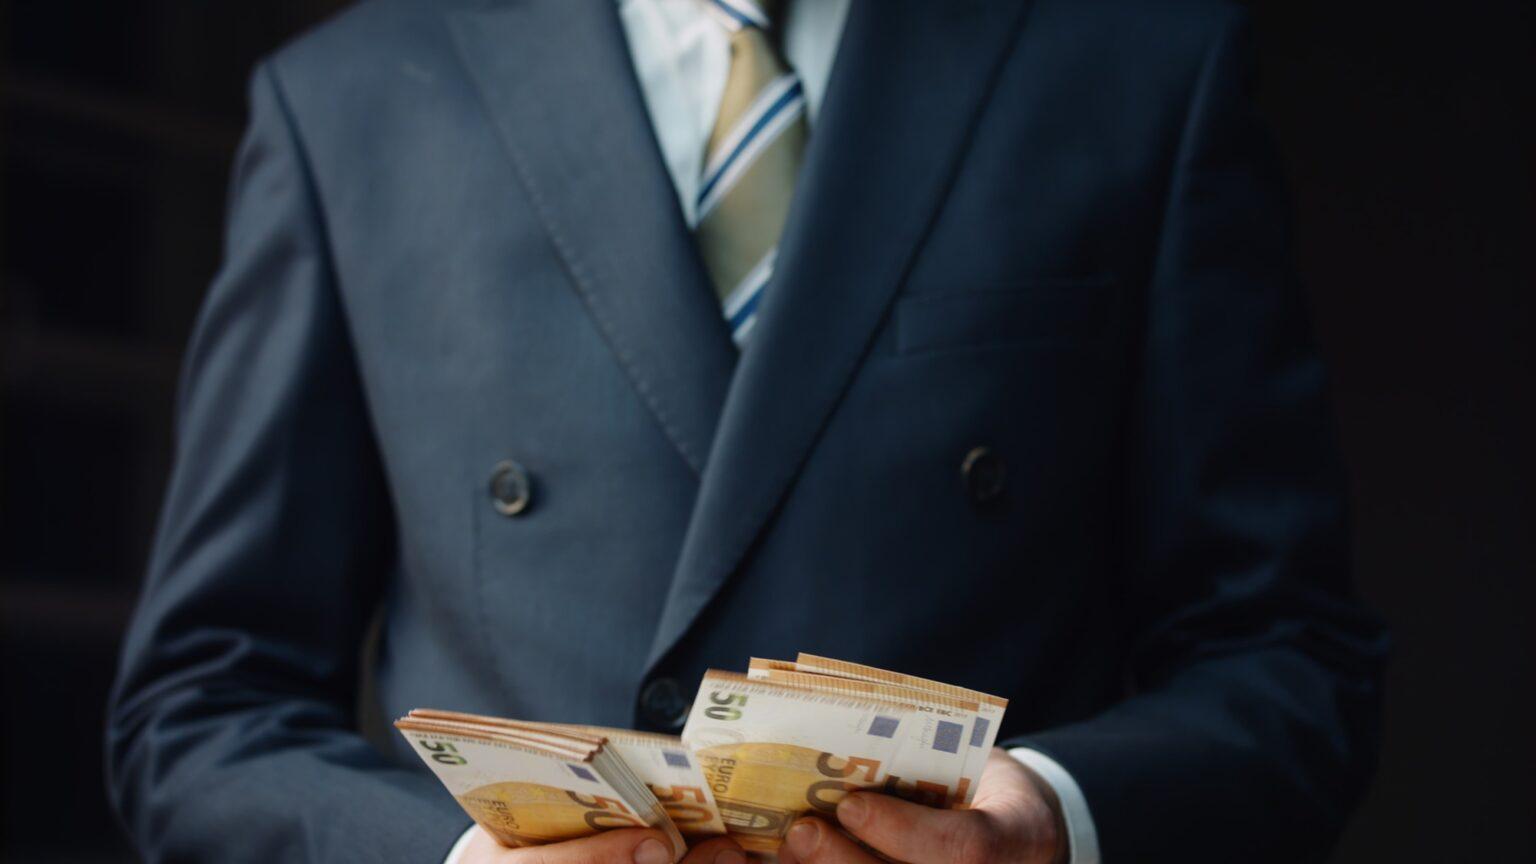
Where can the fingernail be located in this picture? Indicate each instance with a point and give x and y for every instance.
(730, 856)
(852, 811)
(652, 851)
(802, 839)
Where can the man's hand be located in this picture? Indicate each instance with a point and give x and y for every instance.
(1014, 820)
(622, 846)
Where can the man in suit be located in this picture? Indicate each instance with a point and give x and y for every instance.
(589, 344)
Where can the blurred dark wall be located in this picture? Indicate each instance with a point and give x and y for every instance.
(1408, 133)
(120, 118)
(1410, 146)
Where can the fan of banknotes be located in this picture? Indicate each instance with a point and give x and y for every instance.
(760, 750)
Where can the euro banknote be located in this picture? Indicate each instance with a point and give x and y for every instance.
(759, 750)
(526, 789)
(789, 743)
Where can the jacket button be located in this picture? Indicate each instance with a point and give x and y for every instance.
(663, 705)
(510, 488)
(984, 474)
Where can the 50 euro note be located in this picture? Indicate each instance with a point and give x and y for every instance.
(973, 743)
(980, 737)
(674, 775)
(661, 762)
(532, 790)
(775, 750)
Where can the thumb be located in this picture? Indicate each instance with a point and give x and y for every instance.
(904, 831)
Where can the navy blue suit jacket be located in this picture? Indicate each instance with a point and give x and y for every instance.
(1048, 228)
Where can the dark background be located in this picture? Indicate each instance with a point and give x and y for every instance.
(1408, 136)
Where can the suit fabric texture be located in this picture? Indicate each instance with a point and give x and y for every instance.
(1049, 228)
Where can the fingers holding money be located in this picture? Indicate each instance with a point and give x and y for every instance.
(720, 850)
(918, 834)
(1013, 819)
(813, 841)
(621, 846)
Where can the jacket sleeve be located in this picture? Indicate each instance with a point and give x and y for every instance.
(1249, 729)
(231, 730)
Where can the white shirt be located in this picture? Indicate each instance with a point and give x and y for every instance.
(682, 55)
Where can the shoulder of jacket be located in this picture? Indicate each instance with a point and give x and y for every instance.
(1168, 39)
(359, 37)
(1178, 25)
(1197, 15)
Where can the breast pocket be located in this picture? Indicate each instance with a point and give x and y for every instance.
(1038, 313)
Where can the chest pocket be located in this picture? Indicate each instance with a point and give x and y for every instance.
(1038, 313)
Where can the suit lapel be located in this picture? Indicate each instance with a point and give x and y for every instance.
(908, 82)
(557, 80)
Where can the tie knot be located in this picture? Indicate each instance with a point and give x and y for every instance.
(746, 13)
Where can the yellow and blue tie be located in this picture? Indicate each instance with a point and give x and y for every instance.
(751, 162)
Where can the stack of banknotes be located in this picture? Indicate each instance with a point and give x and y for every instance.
(760, 750)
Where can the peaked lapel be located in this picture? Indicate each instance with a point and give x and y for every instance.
(556, 78)
(908, 82)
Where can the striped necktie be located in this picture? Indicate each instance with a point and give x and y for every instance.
(750, 165)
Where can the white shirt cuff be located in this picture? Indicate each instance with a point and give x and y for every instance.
(459, 846)
(1082, 837)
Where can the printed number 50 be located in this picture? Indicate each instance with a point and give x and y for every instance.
(443, 752)
(721, 709)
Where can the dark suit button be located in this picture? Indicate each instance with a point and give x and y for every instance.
(663, 705)
(984, 474)
(510, 488)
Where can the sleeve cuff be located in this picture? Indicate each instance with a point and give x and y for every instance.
(460, 845)
(1082, 837)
